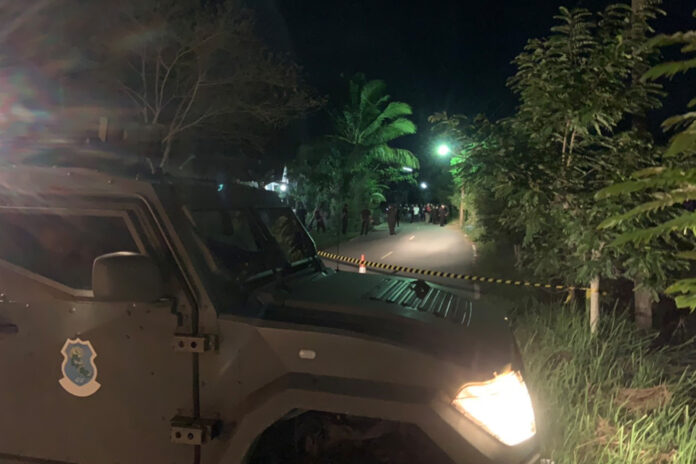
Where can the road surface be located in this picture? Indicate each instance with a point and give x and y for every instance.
(419, 245)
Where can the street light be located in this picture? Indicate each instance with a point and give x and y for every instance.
(423, 185)
(283, 187)
(443, 149)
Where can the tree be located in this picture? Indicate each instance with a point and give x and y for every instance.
(668, 214)
(534, 175)
(355, 160)
(187, 64)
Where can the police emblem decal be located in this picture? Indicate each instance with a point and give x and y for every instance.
(78, 369)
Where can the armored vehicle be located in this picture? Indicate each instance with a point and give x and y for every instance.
(146, 319)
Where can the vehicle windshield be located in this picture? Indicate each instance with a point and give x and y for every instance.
(243, 244)
(288, 233)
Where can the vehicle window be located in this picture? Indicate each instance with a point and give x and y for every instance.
(231, 239)
(61, 247)
(288, 232)
(228, 227)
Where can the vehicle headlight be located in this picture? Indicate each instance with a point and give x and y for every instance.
(501, 406)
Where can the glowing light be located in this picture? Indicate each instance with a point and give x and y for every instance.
(423, 185)
(407, 169)
(283, 187)
(501, 406)
(220, 187)
(443, 149)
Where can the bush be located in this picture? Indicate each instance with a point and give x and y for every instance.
(608, 398)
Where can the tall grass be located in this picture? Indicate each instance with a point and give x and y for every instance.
(607, 398)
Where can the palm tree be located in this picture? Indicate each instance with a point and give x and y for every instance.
(367, 125)
(352, 164)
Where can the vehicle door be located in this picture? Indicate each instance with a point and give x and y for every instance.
(85, 381)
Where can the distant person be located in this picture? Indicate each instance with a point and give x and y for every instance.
(302, 213)
(444, 212)
(392, 214)
(365, 216)
(344, 219)
(428, 212)
(319, 219)
(434, 215)
(416, 213)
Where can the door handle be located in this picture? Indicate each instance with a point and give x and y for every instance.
(8, 329)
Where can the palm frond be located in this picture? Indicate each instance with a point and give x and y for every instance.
(687, 255)
(670, 69)
(685, 291)
(392, 111)
(407, 158)
(684, 223)
(371, 92)
(392, 156)
(683, 142)
(390, 131)
(621, 188)
(679, 120)
(666, 200)
(648, 172)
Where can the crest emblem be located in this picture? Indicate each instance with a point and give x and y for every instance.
(79, 370)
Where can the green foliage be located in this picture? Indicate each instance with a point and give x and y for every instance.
(582, 387)
(532, 177)
(667, 188)
(354, 163)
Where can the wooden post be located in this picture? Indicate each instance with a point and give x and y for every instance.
(642, 305)
(461, 208)
(594, 304)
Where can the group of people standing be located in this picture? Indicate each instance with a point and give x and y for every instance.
(435, 214)
(429, 213)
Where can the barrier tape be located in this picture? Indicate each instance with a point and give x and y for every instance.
(449, 275)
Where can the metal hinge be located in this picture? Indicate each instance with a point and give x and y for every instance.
(195, 343)
(192, 431)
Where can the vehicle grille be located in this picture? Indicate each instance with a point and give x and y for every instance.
(440, 303)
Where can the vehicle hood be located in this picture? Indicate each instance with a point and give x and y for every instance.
(442, 321)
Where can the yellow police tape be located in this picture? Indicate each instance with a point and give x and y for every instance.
(449, 275)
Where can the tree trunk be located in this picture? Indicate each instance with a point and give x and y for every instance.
(461, 209)
(642, 299)
(642, 306)
(639, 120)
(517, 251)
(594, 304)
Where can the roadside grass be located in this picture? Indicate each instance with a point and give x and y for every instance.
(609, 398)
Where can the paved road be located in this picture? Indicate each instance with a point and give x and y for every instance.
(420, 245)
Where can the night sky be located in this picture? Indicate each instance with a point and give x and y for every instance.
(451, 55)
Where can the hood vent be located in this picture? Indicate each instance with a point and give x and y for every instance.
(440, 303)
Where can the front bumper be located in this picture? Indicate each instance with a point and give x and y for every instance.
(466, 442)
(462, 440)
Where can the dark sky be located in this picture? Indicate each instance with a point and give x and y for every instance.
(451, 55)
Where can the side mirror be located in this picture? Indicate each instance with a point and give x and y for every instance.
(126, 276)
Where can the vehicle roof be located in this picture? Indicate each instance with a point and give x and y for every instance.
(69, 170)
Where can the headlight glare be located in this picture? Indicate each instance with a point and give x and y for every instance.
(501, 406)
